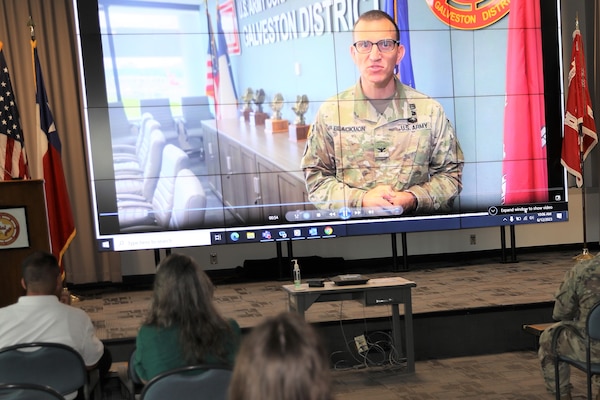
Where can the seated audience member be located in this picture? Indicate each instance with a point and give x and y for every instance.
(39, 316)
(578, 292)
(283, 358)
(183, 326)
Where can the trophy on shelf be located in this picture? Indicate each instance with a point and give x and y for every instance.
(276, 124)
(258, 117)
(247, 100)
(299, 130)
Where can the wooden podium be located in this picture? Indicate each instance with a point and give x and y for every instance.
(23, 230)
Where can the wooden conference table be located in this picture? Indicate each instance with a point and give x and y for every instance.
(377, 291)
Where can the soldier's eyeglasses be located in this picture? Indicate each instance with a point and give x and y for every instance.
(384, 45)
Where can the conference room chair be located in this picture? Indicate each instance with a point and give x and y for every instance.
(160, 109)
(130, 159)
(204, 381)
(140, 215)
(28, 391)
(133, 186)
(51, 364)
(591, 368)
(189, 201)
(195, 109)
(121, 129)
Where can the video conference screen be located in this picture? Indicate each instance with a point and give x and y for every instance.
(239, 121)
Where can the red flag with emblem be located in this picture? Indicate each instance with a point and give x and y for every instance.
(580, 128)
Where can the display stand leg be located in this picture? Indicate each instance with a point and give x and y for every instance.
(395, 253)
(513, 248)
(513, 244)
(290, 255)
(156, 257)
(404, 253)
(283, 263)
(279, 259)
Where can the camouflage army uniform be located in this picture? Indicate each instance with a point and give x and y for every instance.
(578, 292)
(351, 148)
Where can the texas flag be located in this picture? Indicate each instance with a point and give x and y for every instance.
(60, 217)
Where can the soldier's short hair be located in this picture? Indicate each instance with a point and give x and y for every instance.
(375, 15)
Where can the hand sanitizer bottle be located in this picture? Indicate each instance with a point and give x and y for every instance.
(297, 280)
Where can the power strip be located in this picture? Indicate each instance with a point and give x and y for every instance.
(361, 344)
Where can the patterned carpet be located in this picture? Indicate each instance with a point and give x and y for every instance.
(506, 376)
(440, 287)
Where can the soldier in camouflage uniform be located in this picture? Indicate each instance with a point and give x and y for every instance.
(382, 144)
(575, 297)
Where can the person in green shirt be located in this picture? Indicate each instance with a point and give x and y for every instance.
(183, 326)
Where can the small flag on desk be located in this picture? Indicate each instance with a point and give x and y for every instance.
(227, 94)
(212, 66)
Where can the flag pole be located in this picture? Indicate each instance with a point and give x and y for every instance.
(65, 296)
(585, 254)
(31, 26)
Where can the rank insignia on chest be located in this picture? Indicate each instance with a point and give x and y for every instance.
(381, 153)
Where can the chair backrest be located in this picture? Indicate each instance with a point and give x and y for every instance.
(593, 322)
(145, 146)
(173, 160)
(144, 130)
(189, 201)
(119, 124)
(53, 364)
(195, 109)
(205, 381)
(153, 163)
(160, 110)
(28, 391)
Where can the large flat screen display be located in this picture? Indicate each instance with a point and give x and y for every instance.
(237, 121)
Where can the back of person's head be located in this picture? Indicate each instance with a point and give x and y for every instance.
(40, 273)
(183, 297)
(283, 358)
(181, 289)
(376, 15)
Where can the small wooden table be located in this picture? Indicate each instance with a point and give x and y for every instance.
(377, 291)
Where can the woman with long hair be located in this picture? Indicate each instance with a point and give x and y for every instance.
(183, 326)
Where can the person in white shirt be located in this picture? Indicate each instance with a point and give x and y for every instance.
(40, 316)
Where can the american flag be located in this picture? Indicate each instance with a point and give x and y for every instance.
(13, 159)
(212, 66)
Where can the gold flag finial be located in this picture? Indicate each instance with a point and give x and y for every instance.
(577, 21)
(31, 26)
